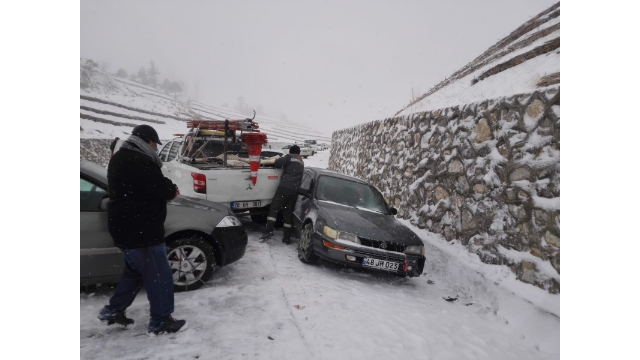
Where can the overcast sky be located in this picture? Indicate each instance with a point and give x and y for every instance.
(327, 64)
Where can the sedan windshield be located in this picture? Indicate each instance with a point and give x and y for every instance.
(350, 193)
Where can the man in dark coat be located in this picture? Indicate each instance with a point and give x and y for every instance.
(138, 195)
(286, 194)
(113, 145)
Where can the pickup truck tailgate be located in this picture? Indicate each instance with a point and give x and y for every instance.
(225, 184)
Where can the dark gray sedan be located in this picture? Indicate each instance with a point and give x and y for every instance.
(346, 220)
(200, 236)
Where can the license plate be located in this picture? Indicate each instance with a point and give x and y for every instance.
(245, 204)
(380, 264)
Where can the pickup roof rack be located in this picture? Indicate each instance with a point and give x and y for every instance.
(242, 125)
(252, 138)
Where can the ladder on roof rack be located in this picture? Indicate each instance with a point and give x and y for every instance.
(241, 125)
(252, 138)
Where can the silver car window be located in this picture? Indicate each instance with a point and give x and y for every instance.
(90, 195)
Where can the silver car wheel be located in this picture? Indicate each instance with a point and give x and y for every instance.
(188, 264)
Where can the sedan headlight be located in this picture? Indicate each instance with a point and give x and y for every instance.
(330, 232)
(348, 237)
(340, 235)
(229, 221)
(414, 249)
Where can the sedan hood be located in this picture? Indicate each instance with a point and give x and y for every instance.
(188, 202)
(369, 224)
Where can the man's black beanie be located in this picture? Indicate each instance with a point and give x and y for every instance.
(295, 149)
(146, 133)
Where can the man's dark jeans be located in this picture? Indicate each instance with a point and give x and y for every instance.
(148, 267)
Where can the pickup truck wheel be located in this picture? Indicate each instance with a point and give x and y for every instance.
(191, 261)
(305, 247)
(259, 219)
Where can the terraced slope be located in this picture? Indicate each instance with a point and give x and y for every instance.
(110, 107)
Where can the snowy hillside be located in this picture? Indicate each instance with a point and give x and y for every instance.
(111, 106)
(526, 60)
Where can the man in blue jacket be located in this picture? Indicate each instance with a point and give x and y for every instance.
(286, 194)
(138, 195)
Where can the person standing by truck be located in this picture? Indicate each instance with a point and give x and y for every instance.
(138, 195)
(286, 194)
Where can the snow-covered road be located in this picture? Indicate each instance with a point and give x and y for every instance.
(269, 305)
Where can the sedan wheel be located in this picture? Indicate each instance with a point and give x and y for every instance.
(191, 261)
(305, 247)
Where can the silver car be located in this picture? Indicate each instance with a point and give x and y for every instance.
(200, 236)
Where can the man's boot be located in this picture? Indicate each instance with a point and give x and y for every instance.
(268, 233)
(114, 318)
(169, 326)
(286, 237)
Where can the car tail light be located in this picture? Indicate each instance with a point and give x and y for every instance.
(199, 183)
(406, 265)
(333, 246)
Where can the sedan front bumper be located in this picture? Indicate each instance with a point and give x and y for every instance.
(232, 241)
(353, 256)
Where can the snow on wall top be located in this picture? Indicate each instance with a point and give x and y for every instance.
(526, 60)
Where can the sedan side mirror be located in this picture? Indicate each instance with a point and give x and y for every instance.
(394, 211)
(104, 202)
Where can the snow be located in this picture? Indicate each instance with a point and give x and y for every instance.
(418, 181)
(518, 256)
(547, 204)
(269, 305)
(333, 203)
(369, 210)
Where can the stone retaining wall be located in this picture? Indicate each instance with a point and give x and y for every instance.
(96, 150)
(487, 174)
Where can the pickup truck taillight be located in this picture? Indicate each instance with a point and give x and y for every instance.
(199, 183)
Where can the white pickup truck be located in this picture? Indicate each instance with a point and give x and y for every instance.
(202, 169)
